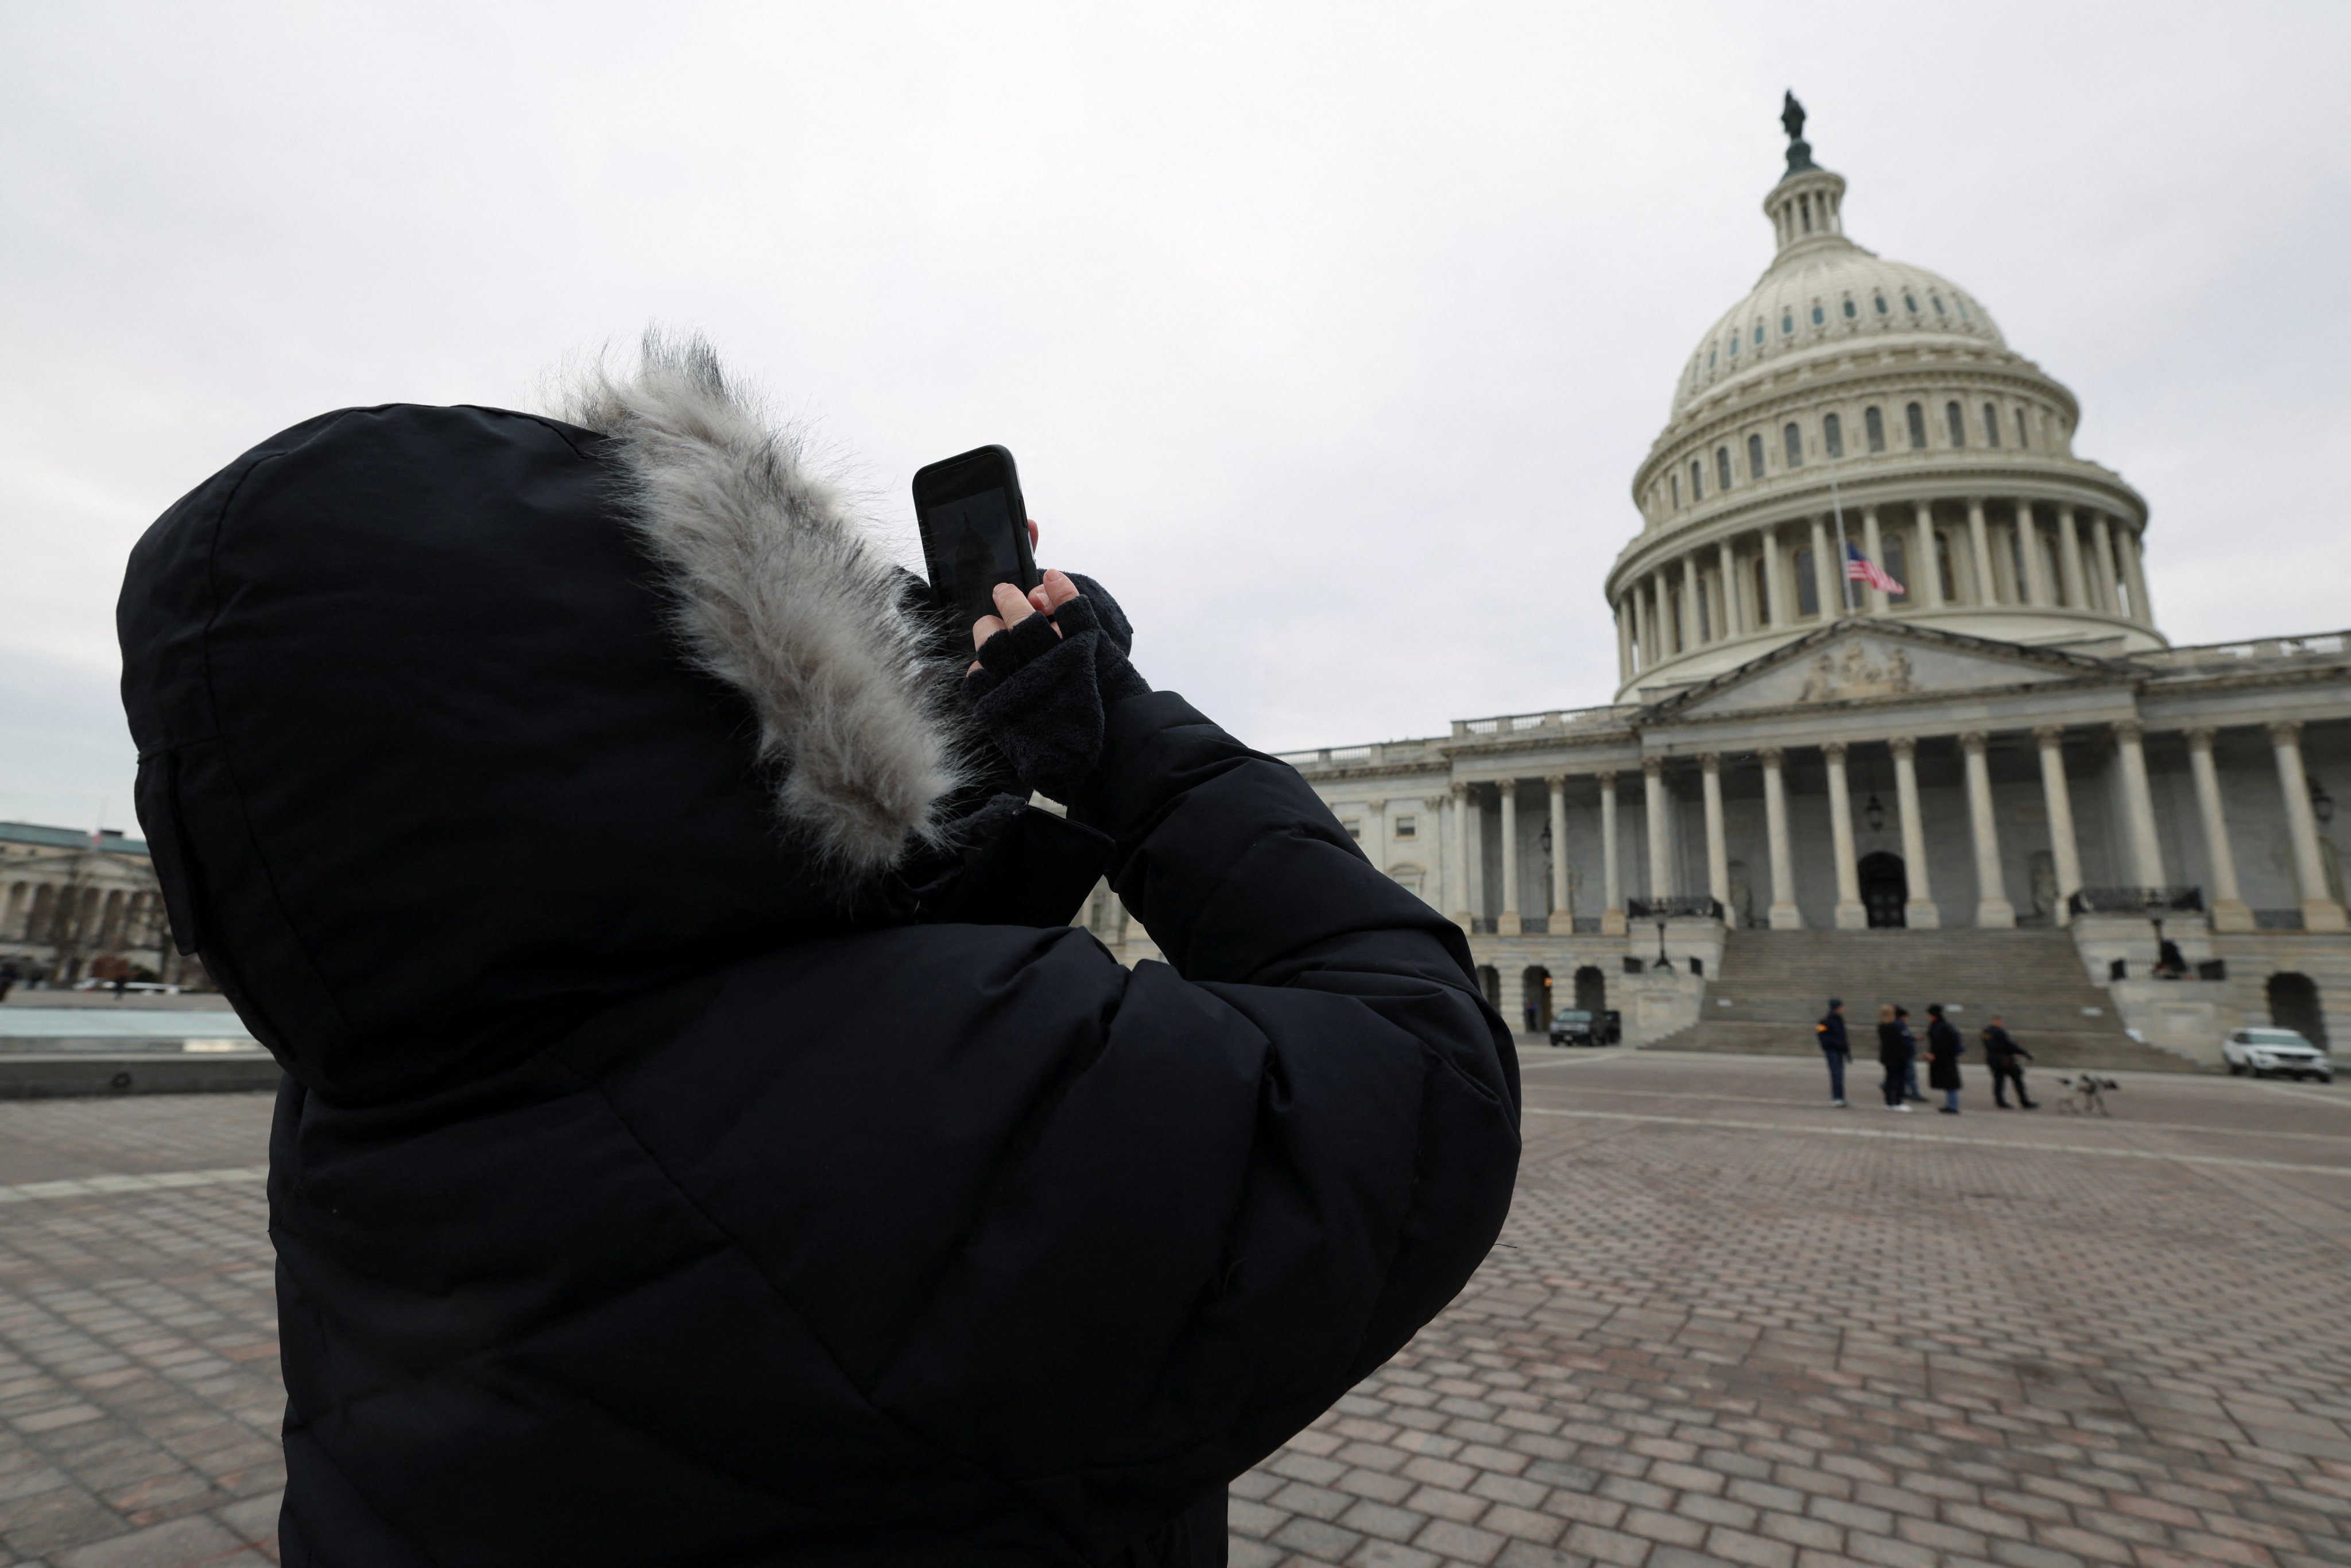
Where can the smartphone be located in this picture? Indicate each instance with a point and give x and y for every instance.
(975, 529)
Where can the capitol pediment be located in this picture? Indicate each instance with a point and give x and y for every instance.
(1865, 660)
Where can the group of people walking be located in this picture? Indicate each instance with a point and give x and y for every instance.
(1898, 1054)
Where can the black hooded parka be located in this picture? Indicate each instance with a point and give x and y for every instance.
(654, 1181)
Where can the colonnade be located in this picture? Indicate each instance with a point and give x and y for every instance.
(1746, 583)
(2142, 842)
(81, 914)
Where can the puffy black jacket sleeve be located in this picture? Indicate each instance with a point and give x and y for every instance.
(1280, 1158)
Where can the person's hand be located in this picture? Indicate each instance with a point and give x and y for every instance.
(1013, 607)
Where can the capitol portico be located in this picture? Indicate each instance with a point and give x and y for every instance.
(2004, 743)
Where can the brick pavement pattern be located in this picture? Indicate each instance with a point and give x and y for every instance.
(1726, 1324)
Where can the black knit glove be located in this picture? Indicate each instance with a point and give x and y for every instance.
(1042, 688)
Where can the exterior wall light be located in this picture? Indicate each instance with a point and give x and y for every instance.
(1874, 813)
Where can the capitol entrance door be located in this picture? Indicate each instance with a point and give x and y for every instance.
(1885, 888)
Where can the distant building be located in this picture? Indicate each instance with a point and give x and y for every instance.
(75, 904)
(2004, 741)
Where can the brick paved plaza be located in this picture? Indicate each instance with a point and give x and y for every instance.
(1728, 1324)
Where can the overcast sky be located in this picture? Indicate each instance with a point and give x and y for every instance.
(1328, 337)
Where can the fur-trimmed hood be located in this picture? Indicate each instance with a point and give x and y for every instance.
(455, 724)
(780, 592)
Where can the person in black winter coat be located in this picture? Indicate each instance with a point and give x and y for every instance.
(1834, 1046)
(2006, 1059)
(1944, 1048)
(1894, 1052)
(703, 1137)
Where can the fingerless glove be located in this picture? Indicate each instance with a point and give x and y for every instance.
(1043, 686)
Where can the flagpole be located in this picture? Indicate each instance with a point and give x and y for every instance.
(1844, 560)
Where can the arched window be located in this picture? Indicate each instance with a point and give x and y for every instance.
(1872, 425)
(1808, 583)
(1936, 301)
(1804, 206)
(1698, 480)
(1710, 358)
(1958, 425)
(1912, 301)
(1787, 322)
(1734, 345)
(1881, 304)
(1759, 334)
(1898, 567)
(1755, 457)
(1991, 425)
(2023, 436)
(1849, 311)
(1963, 309)
(1917, 427)
(1818, 315)
(1722, 465)
(1943, 573)
(1677, 480)
(1794, 439)
(1832, 435)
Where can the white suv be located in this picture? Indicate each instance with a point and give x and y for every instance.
(2264, 1051)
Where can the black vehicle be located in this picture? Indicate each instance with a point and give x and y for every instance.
(1576, 1027)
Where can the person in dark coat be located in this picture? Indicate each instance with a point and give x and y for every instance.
(1894, 1050)
(1944, 1048)
(703, 1138)
(1835, 1047)
(1910, 1064)
(2006, 1059)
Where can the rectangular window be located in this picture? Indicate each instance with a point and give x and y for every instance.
(1808, 583)
(1678, 490)
(1832, 435)
(2023, 436)
(1698, 480)
(1872, 425)
(1917, 417)
(1951, 417)
(1354, 826)
(1793, 438)
(1406, 827)
(1991, 425)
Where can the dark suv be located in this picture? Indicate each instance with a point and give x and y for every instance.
(1577, 1027)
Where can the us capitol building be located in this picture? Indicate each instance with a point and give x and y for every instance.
(2000, 781)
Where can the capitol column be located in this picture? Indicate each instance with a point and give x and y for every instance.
(2228, 909)
(2133, 573)
(1562, 917)
(1718, 849)
(1785, 916)
(1432, 888)
(1831, 601)
(1870, 544)
(1611, 880)
(2319, 910)
(1980, 553)
(1653, 815)
(1775, 606)
(2069, 559)
(1992, 907)
(1659, 631)
(1457, 858)
(1928, 559)
(1640, 627)
(1919, 911)
(1725, 569)
(2138, 804)
(2027, 545)
(1850, 915)
(1508, 925)
(1693, 628)
(2064, 852)
(2102, 566)
(1625, 666)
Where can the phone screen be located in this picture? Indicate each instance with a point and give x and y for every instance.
(974, 531)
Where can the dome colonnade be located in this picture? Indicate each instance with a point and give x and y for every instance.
(1849, 392)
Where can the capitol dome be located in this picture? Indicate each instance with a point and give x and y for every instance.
(1849, 404)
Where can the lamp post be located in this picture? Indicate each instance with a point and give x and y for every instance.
(1874, 813)
(1663, 962)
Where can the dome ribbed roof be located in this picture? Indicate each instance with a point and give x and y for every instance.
(1823, 296)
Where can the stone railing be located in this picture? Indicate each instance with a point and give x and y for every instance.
(1558, 719)
(1360, 755)
(2145, 901)
(2322, 648)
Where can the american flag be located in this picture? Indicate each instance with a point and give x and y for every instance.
(1859, 568)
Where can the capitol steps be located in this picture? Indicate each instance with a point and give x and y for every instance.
(1774, 985)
